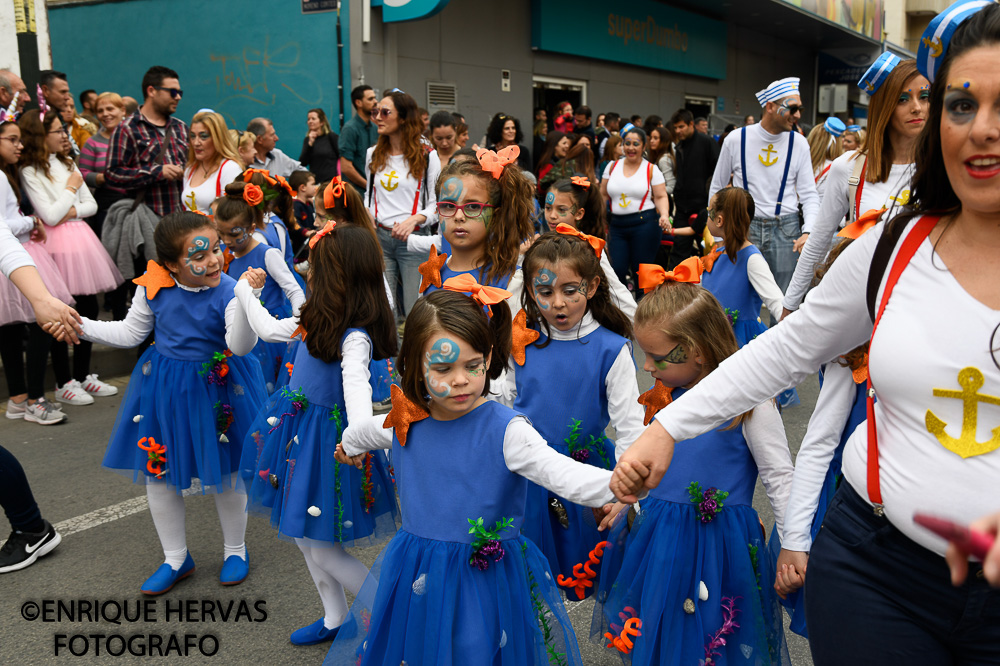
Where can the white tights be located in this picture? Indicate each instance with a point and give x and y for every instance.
(333, 569)
(166, 507)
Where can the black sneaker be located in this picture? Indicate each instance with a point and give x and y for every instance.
(22, 549)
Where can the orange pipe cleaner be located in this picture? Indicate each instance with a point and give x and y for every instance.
(157, 456)
(583, 574)
(289, 367)
(624, 642)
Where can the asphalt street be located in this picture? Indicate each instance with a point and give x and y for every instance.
(109, 548)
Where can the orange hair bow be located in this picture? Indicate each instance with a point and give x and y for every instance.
(202, 213)
(652, 276)
(283, 184)
(580, 181)
(862, 224)
(322, 232)
(264, 172)
(595, 242)
(482, 294)
(155, 278)
(494, 162)
(402, 414)
(334, 190)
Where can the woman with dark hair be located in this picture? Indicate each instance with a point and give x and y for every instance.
(320, 148)
(651, 123)
(557, 144)
(400, 193)
(505, 131)
(661, 153)
(922, 289)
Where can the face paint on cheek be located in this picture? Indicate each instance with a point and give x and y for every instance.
(195, 270)
(478, 371)
(442, 351)
(487, 217)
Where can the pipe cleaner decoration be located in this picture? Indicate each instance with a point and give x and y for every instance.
(217, 368)
(581, 453)
(366, 484)
(541, 613)
(718, 640)
(10, 113)
(299, 404)
(487, 544)
(583, 572)
(623, 641)
(494, 162)
(338, 420)
(709, 502)
(289, 367)
(157, 454)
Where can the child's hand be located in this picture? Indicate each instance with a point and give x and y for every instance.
(345, 459)
(56, 330)
(255, 277)
(629, 479)
(791, 572)
(607, 515)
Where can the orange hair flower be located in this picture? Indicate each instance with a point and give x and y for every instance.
(253, 195)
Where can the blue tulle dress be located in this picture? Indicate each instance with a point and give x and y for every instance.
(431, 604)
(795, 603)
(561, 387)
(289, 467)
(654, 571)
(271, 355)
(188, 395)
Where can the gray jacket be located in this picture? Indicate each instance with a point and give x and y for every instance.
(125, 231)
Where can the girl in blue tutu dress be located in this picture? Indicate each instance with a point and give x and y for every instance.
(840, 409)
(572, 374)
(689, 582)
(288, 457)
(737, 274)
(237, 215)
(459, 584)
(279, 215)
(192, 396)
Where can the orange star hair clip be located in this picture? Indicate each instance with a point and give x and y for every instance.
(655, 399)
(155, 278)
(299, 332)
(594, 242)
(580, 181)
(430, 270)
(403, 414)
(494, 162)
(862, 224)
(482, 294)
(330, 226)
(521, 337)
(652, 276)
(263, 172)
(334, 190)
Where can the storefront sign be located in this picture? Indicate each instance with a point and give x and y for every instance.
(640, 32)
(394, 11)
(861, 16)
(317, 6)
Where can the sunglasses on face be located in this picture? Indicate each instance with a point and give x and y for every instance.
(793, 108)
(176, 93)
(380, 112)
(470, 210)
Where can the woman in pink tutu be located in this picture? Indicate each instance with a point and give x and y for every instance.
(55, 187)
(27, 398)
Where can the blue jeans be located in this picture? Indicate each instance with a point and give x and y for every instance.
(775, 237)
(401, 265)
(632, 240)
(15, 495)
(875, 597)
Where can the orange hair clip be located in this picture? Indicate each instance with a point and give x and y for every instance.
(334, 190)
(482, 294)
(583, 573)
(580, 181)
(330, 226)
(652, 276)
(862, 224)
(595, 242)
(283, 184)
(264, 172)
(493, 162)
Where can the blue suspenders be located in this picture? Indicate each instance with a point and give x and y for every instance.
(784, 176)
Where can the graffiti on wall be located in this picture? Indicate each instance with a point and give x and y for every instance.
(264, 75)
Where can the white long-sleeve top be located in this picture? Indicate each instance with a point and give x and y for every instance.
(622, 389)
(356, 351)
(765, 181)
(140, 320)
(764, 433)
(762, 281)
(894, 192)
(525, 452)
(395, 190)
(822, 175)
(278, 270)
(12, 255)
(49, 195)
(833, 407)
(916, 352)
(19, 224)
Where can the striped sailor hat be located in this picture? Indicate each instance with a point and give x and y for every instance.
(778, 90)
(934, 43)
(878, 72)
(854, 128)
(834, 126)
(626, 129)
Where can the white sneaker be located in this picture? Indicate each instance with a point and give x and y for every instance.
(15, 410)
(43, 412)
(72, 393)
(95, 386)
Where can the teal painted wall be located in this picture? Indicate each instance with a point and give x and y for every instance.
(242, 58)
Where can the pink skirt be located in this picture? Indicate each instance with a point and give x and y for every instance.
(82, 260)
(14, 307)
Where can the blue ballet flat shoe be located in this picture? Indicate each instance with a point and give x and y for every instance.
(318, 633)
(235, 569)
(165, 577)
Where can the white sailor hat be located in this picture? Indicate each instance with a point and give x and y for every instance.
(878, 72)
(834, 126)
(854, 128)
(934, 43)
(778, 90)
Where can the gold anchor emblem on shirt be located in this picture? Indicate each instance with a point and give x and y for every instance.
(903, 198)
(390, 186)
(191, 202)
(767, 161)
(965, 445)
(624, 202)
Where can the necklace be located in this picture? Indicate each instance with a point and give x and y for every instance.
(208, 171)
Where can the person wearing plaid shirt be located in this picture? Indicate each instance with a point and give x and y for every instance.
(134, 161)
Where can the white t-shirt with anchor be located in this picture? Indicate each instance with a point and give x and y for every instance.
(766, 154)
(938, 409)
(892, 194)
(626, 194)
(395, 194)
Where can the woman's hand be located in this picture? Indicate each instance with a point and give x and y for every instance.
(402, 230)
(311, 137)
(38, 234)
(958, 560)
(791, 572)
(75, 179)
(609, 514)
(58, 319)
(666, 224)
(99, 179)
(70, 215)
(643, 464)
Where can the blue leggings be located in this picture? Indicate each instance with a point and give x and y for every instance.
(15, 495)
(632, 240)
